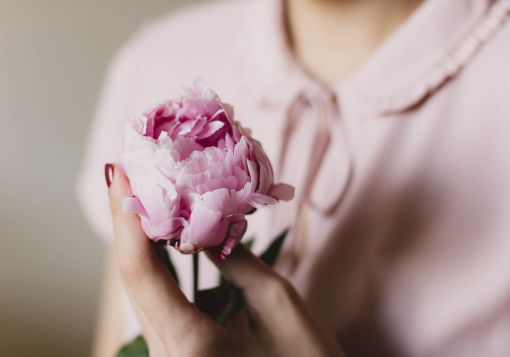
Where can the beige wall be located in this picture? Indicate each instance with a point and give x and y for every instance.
(53, 55)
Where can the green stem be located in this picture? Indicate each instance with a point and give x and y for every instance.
(195, 276)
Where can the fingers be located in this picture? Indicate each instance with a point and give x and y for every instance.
(154, 340)
(148, 282)
(243, 269)
(278, 308)
(262, 287)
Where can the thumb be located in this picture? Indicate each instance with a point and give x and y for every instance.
(150, 285)
(261, 286)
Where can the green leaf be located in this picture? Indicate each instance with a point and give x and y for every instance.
(234, 304)
(249, 243)
(212, 301)
(135, 348)
(271, 253)
(164, 257)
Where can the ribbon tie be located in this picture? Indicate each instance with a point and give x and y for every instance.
(328, 173)
(328, 146)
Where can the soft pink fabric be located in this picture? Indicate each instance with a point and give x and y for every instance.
(195, 172)
(401, 234)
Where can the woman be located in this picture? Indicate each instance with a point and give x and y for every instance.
(389, 117)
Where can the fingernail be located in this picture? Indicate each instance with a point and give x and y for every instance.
(108, 174)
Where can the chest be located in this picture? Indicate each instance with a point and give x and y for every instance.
(420, 220)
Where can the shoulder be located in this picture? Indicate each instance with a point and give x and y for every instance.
(217, 16)
(478, 96)
(490, 65)
(167, 53)
(200, 30)
(482, 88)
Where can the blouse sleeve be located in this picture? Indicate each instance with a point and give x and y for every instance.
(114, 109)
(119, 103)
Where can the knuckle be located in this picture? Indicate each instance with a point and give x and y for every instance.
(118, 218)
(113, 203)
(279, 289)
(204, 346)
(197, 350)
(205, 339)
(130, 266)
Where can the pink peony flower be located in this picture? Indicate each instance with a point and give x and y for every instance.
(195, 173)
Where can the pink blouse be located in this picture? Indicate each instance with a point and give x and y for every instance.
(400, 238)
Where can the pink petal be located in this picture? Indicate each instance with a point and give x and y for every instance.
(196, 163)
(243, 196)
(221, 200)
(265, 170)
(204, 226)
(241, 151)
(185, 147)
(210, 129)
(282, 191)
(133, 205)
(254, 177)
(229, 143)
(166, 230)
(259, 200)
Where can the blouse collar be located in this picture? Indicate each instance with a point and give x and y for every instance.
(433, 45)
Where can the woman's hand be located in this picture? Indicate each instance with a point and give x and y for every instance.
(275, 323)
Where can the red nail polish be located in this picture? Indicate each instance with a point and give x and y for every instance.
(108, 173)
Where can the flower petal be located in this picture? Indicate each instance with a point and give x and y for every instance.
(164, 231)
(221, 200)
(259, 200)
(204, 226)
(282, 191)
(133, 205)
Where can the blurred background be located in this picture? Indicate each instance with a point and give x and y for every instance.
(53, 57)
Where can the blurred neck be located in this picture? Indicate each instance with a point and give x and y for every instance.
(332, 38)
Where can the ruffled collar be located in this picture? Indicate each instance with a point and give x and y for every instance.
(433, 45)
